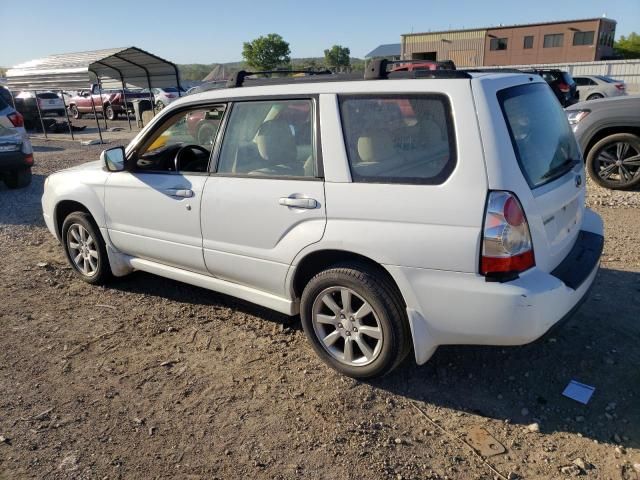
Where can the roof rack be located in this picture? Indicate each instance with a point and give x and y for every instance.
(237, 79)
(377, 70)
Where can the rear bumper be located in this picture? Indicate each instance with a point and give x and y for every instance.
(462, 308)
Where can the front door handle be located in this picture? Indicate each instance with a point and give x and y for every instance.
(180, 192)
(294, 202)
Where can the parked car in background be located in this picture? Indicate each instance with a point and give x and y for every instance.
(48, 103)
(9, 116)
(562, 83)
(403, 213)
(164, 96)
(608, 132)
(113, 101)
(16, 157)
(592, 87)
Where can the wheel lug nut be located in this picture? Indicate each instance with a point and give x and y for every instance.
(355, 329)
(348, 334)
(339, 325)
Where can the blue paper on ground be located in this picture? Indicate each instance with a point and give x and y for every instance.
(579, 391)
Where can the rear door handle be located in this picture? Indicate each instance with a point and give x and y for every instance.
(294, 202)
(180, 192)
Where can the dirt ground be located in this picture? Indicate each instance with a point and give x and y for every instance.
(150, 378)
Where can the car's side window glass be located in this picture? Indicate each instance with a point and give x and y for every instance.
(269, 138)
(183, 143)
(398, 138)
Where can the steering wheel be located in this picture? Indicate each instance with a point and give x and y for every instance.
(181, 153)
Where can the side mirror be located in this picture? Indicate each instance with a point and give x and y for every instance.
(113, 159)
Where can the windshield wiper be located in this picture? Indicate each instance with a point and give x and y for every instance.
(562, 168)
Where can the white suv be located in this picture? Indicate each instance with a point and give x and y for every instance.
(391, 214)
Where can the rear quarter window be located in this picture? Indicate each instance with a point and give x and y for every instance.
(398, 138)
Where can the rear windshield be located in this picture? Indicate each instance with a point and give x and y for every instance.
(171, 89)
(606, 79)
(542, 139)
(398, 138)
(47, 95)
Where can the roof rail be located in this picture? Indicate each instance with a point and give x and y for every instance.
(494, 70)
(237, 79)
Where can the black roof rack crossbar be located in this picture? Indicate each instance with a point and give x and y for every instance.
(377, 70)
(237, 79)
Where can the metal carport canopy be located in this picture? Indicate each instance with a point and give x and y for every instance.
(113, 67)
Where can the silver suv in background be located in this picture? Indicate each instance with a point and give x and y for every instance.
(608, 131)
(393, 213)
(593, 87)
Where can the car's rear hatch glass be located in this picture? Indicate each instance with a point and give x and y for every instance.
(550, 161)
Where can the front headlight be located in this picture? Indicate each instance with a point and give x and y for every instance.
(574, 116)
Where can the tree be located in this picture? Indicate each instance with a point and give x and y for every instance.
(337, 57)
(266, 53)
(628, 47)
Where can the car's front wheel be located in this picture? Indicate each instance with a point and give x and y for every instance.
(614, 162)
(85, 248)
(355, 320)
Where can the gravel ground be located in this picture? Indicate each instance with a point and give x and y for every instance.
(150, 378)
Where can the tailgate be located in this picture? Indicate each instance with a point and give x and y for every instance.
(536, 157)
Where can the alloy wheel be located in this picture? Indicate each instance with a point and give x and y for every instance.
(347, 326)
(618, 162)
(83, 250)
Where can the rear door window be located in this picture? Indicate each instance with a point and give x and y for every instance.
(398, 138)
(542, 139)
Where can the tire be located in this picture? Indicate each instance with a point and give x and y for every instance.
(205, 134)
(613, 165)
(110, 113)
(18, 178)
(595, 96)
(388, 337)
(60, 113)
(75, 113)
(86, 252)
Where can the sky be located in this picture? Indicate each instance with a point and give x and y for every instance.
(213, 31)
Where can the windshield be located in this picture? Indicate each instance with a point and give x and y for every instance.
(171, 89)
(542, 139)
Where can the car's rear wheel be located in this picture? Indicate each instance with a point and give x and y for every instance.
(85, 248)
(614, 162)
(595, 96)
(110, 112)
(18, 178)
(75, 113)
(355, 320)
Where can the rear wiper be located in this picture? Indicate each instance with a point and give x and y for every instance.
(562, 168)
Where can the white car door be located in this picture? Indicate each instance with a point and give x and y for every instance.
(265, 201)
(153, 209)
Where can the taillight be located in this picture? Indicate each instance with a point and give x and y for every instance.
(17, 119)
(506, 241)
(620, 86)
(28, 159)
(563, 87)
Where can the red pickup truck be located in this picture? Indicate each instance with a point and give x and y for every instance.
(113, 101)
